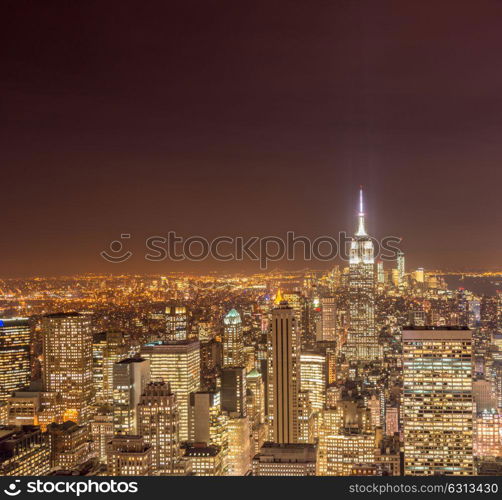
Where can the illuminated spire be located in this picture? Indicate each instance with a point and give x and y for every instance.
(278, 298)
(361, 231)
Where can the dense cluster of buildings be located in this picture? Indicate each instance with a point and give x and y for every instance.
(363, 370)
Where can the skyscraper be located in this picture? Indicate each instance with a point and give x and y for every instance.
(239, 446)
(158, 423)
(207, 422)
(400, 265)
(438, 402)
(130, 377)
(176, 322)
(313, 378)
(101, 432)
(233, 391)
(487, 433)
(380, 272)
(345, 439)
(256, 409)
(328, 319)
(233, 344)
(284, 374)
(14, 356)
(107, 349)
(67, 341)
(362, 340)
(179, 364)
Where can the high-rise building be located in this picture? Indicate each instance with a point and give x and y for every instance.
(394, 277)
(239, 446)
(297, 301)
(362, 339)
(255, 397)
(208, 424)
(391, 420)
(344, 439)
(233, 343)
(374, 405)
(102, 432)
(67, 344)
(400, 265)
(313, 378)
(306, 418)
(417, 317)
(4, 413)
(129, 455)
(158, 423)
(328, 319)
(380, 272)
(205, 460)
(284, 374)
(484, 395)
(179, 364)
(437, 401)
(107, 349)
(176, 322)
(256, 410)
(419, 275)
(285, 459)
(130, 377)
(24, 451)
(233, 391)
(69, 445)
(489, 314)
(488, 433)
(15, 371)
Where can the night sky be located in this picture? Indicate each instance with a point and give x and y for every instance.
(248, 118)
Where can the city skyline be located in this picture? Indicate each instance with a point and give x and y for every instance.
(357, 371)
(251, 239)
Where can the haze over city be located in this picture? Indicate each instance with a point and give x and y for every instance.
(230, 118)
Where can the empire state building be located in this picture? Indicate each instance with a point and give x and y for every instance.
(362, 340)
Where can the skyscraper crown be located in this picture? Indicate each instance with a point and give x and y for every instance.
(361, 230)
(232, 317)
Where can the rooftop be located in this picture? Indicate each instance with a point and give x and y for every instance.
(128, 361)
(63, 315)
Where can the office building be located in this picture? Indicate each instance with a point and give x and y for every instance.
(233, 341)
(129, 455)
(362, 346)
(130, 377)
(284, 374)
(24, 451)
(15, 370)
(179, 364)
(233, 391)
(313, 378)
(285, 459)
(438, 402)
(158, 422)
(69, 445)
(67, 367)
